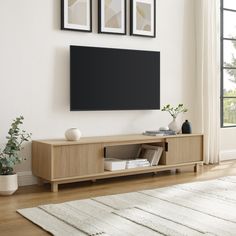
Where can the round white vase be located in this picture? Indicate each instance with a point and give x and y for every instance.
(8, 184)
(174, 126)
(73, 134)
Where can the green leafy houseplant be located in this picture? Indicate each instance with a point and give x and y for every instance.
(174, 111)
(9, 156)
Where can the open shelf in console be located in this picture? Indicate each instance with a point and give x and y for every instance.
(119, 154)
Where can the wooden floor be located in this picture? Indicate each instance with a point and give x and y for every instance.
(12, 223)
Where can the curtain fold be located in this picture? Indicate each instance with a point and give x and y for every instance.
(207, 20)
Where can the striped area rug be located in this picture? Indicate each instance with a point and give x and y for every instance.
(199, 208)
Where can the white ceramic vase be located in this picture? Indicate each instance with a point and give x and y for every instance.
(73, 134)
(174, 126)
(8, 184)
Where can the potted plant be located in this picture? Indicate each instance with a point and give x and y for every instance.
(10, 156)
(174, 112)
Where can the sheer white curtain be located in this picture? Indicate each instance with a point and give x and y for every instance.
(208, 75)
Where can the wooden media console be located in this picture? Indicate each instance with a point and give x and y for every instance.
(60, 161)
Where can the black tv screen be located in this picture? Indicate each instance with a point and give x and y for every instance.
(114, 79)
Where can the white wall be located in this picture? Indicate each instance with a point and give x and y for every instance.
(34, 69)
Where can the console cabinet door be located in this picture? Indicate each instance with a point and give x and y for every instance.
(184, 149)
(77, 160)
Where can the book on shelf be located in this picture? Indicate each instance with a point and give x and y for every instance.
(148, 155)
(159, 132)
(157, 156)
(136, 166)
(137, 163)
(151, 153)
(141, 160)
(114, 164)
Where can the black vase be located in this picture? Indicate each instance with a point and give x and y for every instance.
(186, 127)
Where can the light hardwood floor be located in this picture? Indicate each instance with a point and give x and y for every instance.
(12, 223)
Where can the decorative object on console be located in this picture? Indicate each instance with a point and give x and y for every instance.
(112, 16)
(174, 126)
(9, 157)
(186, 127)
(143, 18)
(73, 134)
(76, 15)
(174, 112)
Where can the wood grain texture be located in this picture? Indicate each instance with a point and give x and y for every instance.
(41, 160)
(77, 160)
(184, 149)
(31, 196)
(126, 172)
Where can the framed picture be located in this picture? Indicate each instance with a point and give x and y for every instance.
(76, 15)
(112, 16)
(143, 18)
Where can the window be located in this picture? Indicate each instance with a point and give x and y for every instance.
(228, 63)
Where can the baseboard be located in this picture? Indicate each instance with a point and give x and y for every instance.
(26, 178)
(228, 155)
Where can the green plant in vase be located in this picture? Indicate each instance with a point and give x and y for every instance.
(174, 112)
(10, 156)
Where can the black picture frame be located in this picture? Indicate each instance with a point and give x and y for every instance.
(101, 28)
(65, 25)
(135, 32)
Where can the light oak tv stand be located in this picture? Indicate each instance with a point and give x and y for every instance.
(60, 161)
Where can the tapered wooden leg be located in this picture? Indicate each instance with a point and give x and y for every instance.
(196, 168)
(54, 187)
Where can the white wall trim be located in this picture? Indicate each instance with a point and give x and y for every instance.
(228, 155)
(26, 178)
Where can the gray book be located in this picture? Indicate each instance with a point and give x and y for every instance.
(151, 153)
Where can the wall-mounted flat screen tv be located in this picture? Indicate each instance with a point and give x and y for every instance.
(114, 79)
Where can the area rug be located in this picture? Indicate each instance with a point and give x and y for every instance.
(199, 208)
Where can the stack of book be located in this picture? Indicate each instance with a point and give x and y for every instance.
(151, 153)
(114, 164)
(135, 163)
(159, 132)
